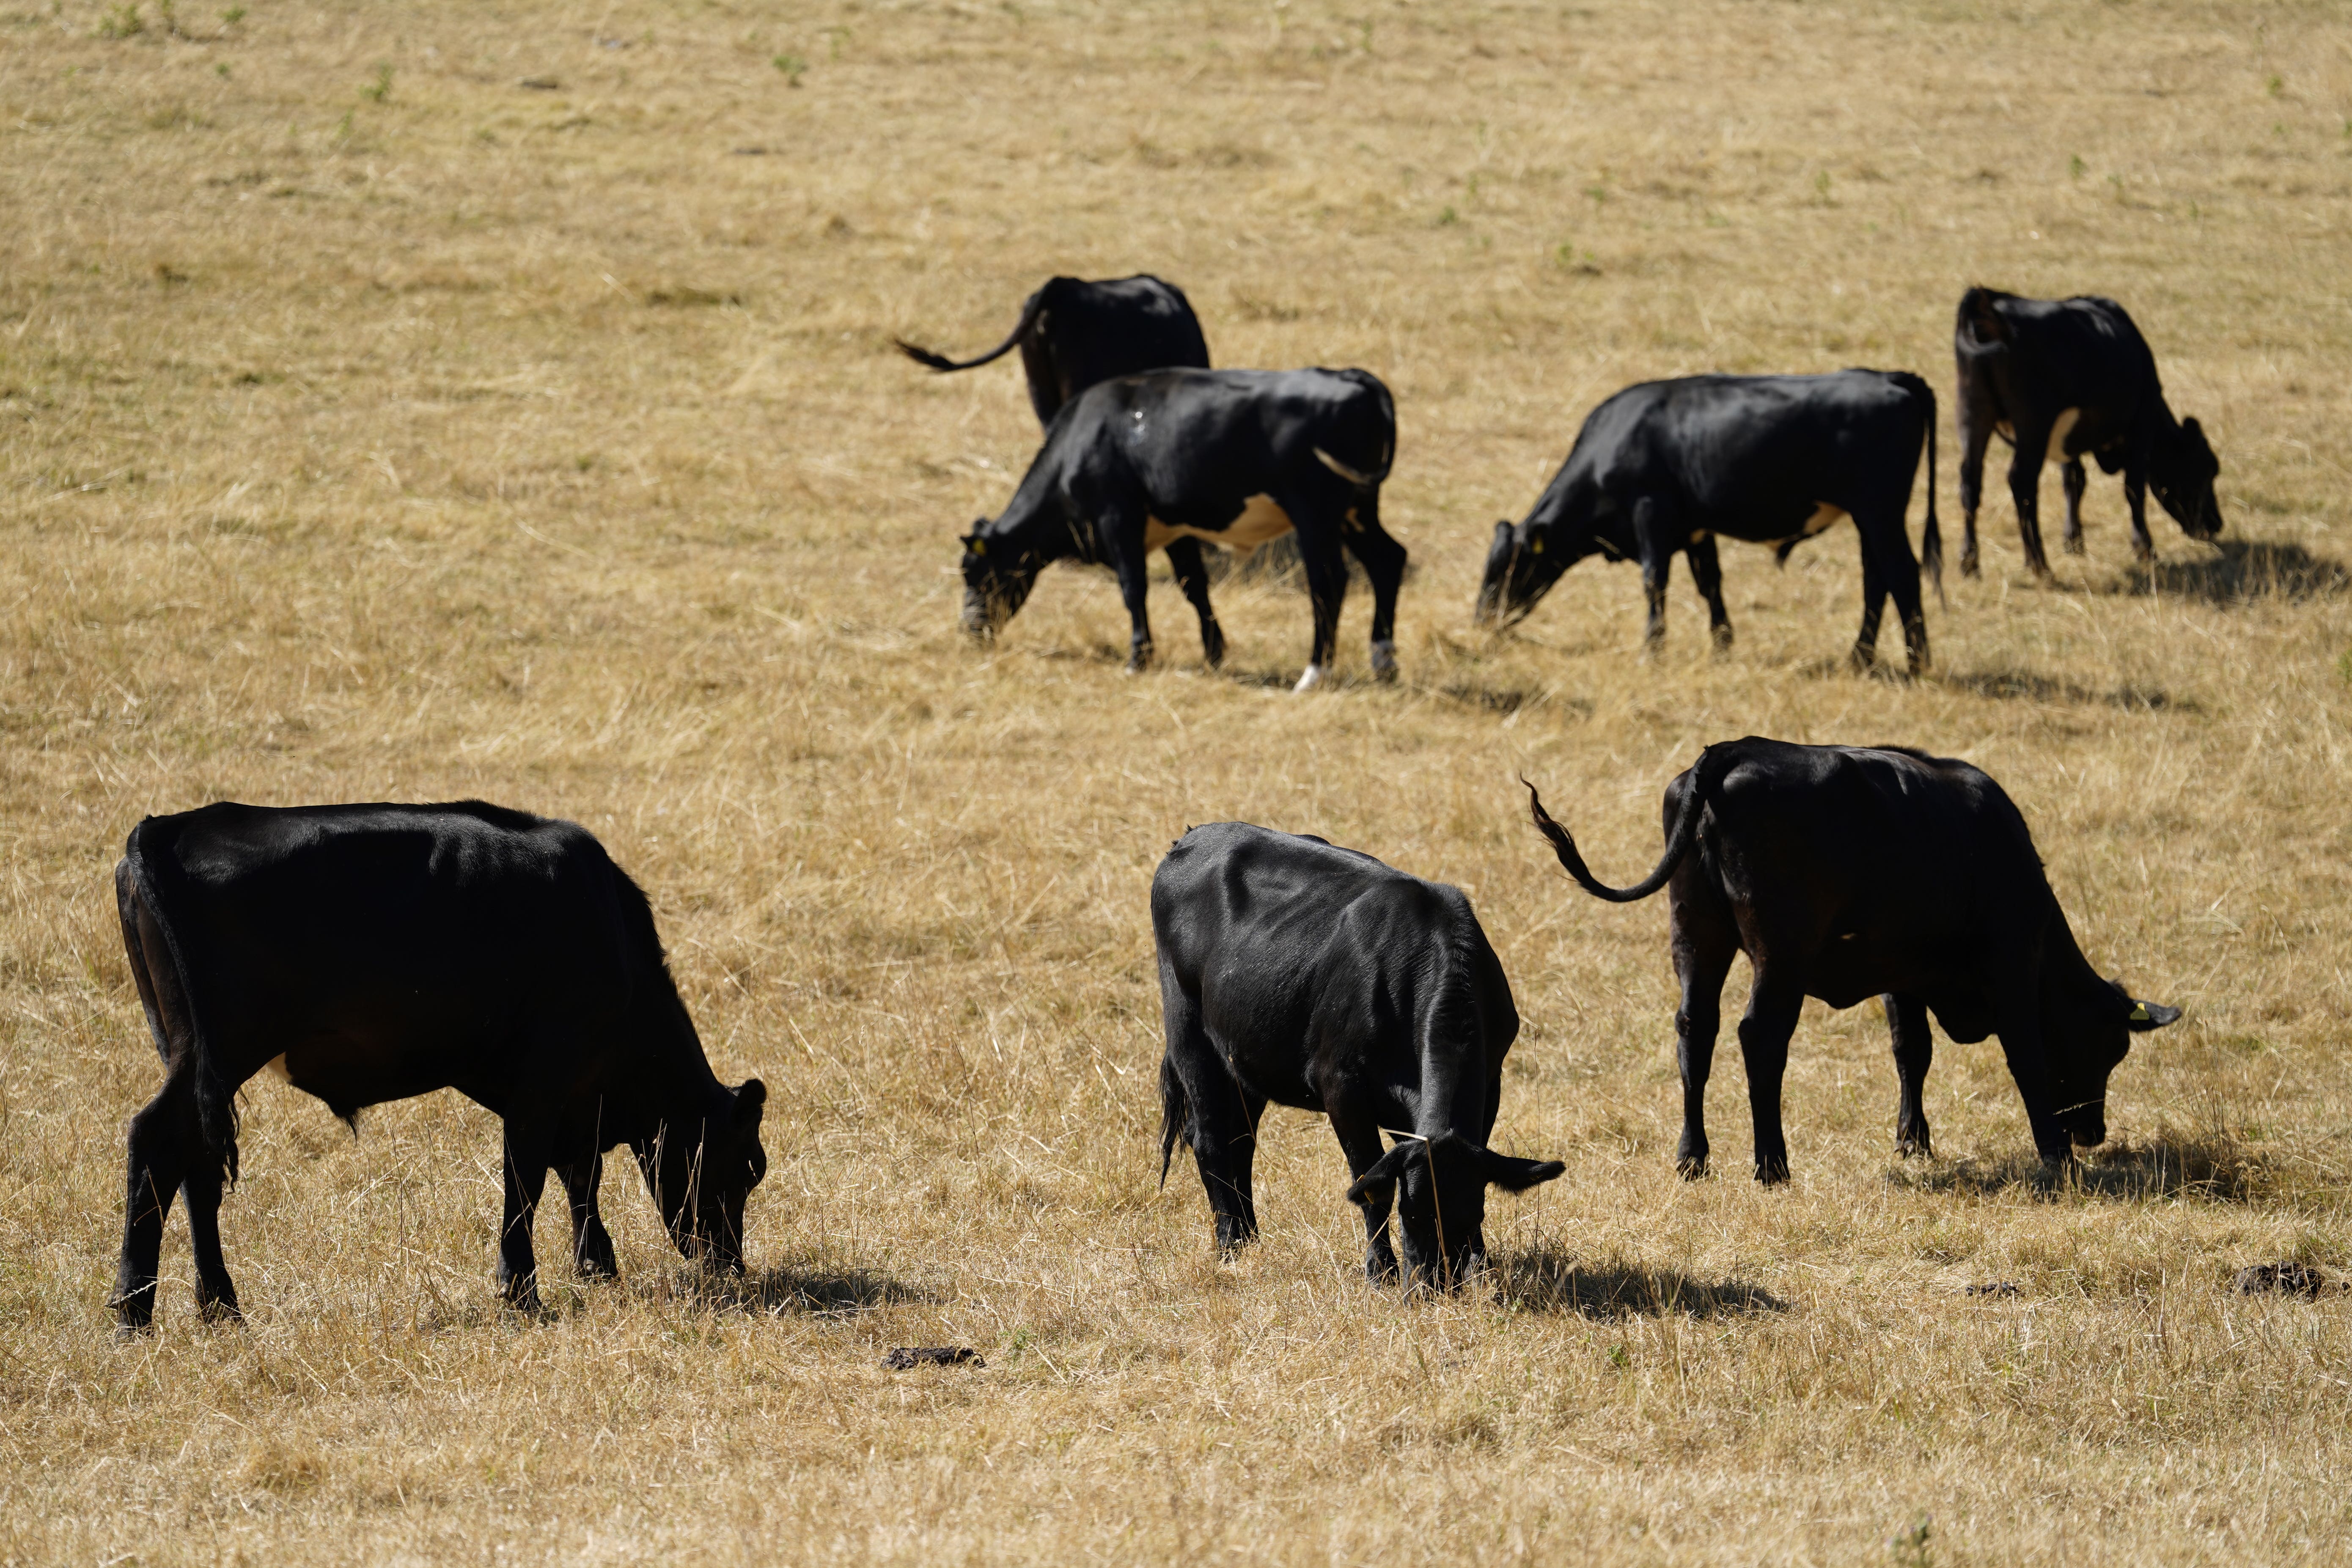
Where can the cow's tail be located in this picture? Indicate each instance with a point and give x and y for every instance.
(1979, 328)
(1175, 1115)
(1931, 538)
(924, 356)
(161, 886)
(1704, 775)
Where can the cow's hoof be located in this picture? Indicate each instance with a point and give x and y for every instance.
(1913, 1146)
(1968, 564)
(1691, 1167)
(1722, 641)
(1311, 679)
(1771, 1172)
(1384, 660)
(2072, 546)
(219, 1311)
(1213, 647)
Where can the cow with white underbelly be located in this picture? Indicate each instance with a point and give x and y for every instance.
(2060, 380)
(1169, 459)
(1664, 466)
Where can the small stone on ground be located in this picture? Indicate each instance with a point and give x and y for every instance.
(906, 1357)
(2286, 1278)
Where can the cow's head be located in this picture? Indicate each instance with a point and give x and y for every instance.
(702, 1172)
(2087, 1028)
(997, 577)
(1439, 1186)
(2181, 470)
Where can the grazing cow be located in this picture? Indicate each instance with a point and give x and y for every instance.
(2056, 379)
(1844, 872)
(1073, 332)
(373, 953)
(1174, 457)
(1295, 972)
(1665, 466)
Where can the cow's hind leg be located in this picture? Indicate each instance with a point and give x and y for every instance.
(1123, 539)
(1873, 605)
(1914, 1048)
(1192, 577)
(216, 1292)
(2070, 478)
(164, 1143)
(1383, 560)
(1773, 1006)
(1214, 1116)
(2025, 491)
(526, 1162)
(592, 1243)
(1653, 529)
(1704, 941)
(1886, 551)
(1706, 572)
(1327, 589)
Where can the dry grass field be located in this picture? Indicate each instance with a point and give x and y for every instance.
(448, 400)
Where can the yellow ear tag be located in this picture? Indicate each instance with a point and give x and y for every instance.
(979, 547)
(1536, 546)
(2139, 1013)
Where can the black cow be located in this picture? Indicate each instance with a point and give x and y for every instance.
(2056, 379)
(1665, 466)
(1073, 332)
(1174, 457)
(373, 953)
(1843, 873)
(1295, 972)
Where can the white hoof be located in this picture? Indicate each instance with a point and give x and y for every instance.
(1311, 679)
(1384, 662)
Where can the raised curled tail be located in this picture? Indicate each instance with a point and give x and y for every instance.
(1175, 1114)
(1704, 775)
(161, 886)
(923, 356)
(1931, 538)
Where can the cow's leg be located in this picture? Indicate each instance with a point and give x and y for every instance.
(1885, 543)
(1706, 572)
(1359, 1131)
(2070, 478)
(1874, 604)
(1327, 589)
(1124, 543)
(592, 1243)
(216, 1292)
(1214, 1115)
(2025, 491)
(2135, 497)
(1914, 1048)
(1977, 419)
(1383, 558)
(526, 1157)
(163, 1143)
(1773, 1006)
(1703, 941)
(1192, 577)
(1652, 529)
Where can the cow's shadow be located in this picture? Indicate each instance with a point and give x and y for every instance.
(2240, 570)
(2017, 685)
(1549, 1280)
(796, 1290)
(2214, 1166)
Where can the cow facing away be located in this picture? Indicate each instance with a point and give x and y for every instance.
(2058, 379)
(1667, 466)
(1073, 332)
(1166, 459)
(1313, 976)
(373, 952)
(1844, 872)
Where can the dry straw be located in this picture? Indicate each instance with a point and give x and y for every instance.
(375, 426)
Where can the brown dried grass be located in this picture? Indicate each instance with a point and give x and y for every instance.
(461, 437)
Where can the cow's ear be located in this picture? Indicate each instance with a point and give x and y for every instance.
(2147, 1016)
(750, 1100)
(1502, 528)
(2190, 427)
(1386, 1170)
(1515, 1175)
